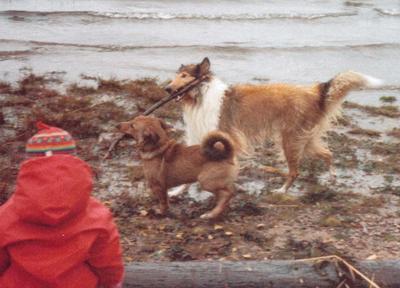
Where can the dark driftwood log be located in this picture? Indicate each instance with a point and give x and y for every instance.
(251, 274)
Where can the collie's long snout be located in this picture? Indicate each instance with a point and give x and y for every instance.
(168, 89)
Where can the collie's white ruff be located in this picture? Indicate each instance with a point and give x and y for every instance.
(203, 118)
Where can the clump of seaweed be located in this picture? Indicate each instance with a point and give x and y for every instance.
(77, 115)
(110, 85)
(386, 110)
(388, 149)
(395, 132)
(5, 87)
(318, 193)
(146, 88)
(75, 89)
(34, 87)
(367, 132)
(388, 99)
(142, 92)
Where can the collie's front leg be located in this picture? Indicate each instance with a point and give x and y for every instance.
(292, 154)
(289, 182)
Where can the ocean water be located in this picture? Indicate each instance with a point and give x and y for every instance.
(246, 41)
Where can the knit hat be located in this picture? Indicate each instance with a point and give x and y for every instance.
(50, 140)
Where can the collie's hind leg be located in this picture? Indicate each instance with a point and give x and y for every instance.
(326, 155)
(317, 149)
(292, 153)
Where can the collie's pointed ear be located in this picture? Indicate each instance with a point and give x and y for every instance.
(204, 67)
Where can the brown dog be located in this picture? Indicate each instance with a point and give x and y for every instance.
(167, 164)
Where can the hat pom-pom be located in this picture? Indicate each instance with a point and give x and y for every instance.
(40, 125)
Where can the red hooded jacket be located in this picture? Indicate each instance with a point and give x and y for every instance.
(53, 233)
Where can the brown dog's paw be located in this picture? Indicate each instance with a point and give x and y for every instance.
(158, 213)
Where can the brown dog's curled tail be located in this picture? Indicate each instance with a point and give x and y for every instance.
(217, 146)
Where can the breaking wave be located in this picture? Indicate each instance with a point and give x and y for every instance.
(227, 47)
(180, 16)
(388, 12)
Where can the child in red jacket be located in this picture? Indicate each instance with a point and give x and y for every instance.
(52, 232)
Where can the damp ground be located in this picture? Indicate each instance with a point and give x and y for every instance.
(356, 217)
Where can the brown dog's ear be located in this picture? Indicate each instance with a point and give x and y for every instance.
(204, 67)
(150, 136)
(147, 137)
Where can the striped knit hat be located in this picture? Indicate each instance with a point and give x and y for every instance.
(48, 141)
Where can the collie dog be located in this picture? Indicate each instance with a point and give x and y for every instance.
(167, 164)
(294, 116)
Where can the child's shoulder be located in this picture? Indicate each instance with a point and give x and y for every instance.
(97, 209)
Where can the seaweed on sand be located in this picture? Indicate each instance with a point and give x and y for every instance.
(146, 88)
(35, 86)
(77, 115)
(385, 110)
(5, 87)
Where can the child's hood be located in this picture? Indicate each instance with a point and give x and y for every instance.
(51, 190)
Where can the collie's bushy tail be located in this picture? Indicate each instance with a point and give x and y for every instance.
(337, 88)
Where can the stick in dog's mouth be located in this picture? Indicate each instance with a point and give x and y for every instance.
(177, 95)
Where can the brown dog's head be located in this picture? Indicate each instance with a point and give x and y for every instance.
(149, 132)
(188, 73)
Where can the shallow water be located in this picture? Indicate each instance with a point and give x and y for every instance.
(300, 42)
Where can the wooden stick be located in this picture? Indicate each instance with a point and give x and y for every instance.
(113, 144)
(178, 93)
